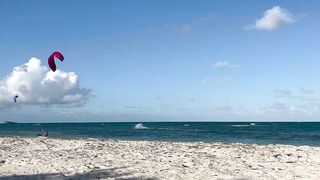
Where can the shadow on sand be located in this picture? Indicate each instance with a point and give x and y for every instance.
(93, 174)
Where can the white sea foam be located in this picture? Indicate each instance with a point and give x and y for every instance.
(93, 139)
(243, 125)
(140, 126)
(240, 125)
(165, 128)
(173, 129)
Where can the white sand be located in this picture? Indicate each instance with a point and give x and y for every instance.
(45, 158)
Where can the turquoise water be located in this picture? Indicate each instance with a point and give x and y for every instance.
(294, 133)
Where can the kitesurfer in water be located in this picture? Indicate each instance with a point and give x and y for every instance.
(44, 133)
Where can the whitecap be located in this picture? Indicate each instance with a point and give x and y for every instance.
(140, 126)
(240, 125)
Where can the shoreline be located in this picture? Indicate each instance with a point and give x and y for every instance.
(40, 157)
(151, 140)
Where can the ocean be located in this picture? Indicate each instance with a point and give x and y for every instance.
(293, 133)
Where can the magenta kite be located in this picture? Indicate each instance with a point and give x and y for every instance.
(51, 62)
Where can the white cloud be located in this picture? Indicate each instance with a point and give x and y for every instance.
(281, 93)
(307, 91)
(223, 64)
(133, 107)
(272, 19)
(280, 108)
(35, 84)
(222, 109)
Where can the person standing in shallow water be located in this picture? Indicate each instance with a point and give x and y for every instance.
(46, 134)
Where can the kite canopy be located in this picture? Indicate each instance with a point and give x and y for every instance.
(51, 62)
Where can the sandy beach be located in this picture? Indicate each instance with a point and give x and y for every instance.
(46, 158)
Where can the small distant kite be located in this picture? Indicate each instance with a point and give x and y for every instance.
(15, 98)
(51, 62)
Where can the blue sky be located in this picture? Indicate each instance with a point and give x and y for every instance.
(167, 60)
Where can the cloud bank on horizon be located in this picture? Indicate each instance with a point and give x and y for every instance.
(273, 19)
(35, 84)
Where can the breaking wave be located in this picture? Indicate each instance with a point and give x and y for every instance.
(140, 126)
